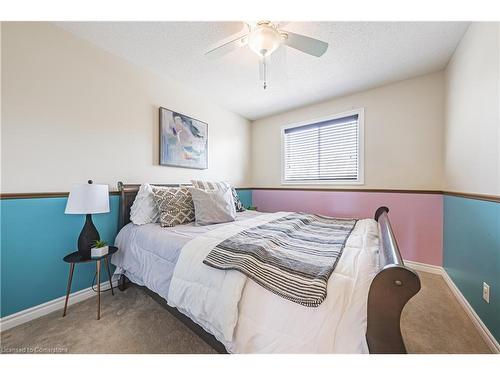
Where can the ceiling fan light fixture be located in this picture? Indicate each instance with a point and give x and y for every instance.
(264, 40)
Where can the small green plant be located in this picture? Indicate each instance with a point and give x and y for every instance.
(99, 243)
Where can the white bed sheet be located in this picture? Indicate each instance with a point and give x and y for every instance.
(148, 253)
(267, 323)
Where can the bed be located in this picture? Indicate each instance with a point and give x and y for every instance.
(361, 314)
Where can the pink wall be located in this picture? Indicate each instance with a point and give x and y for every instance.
(417, 219)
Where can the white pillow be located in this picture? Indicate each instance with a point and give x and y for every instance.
(217, 185)
(144, 209)
(213, 207)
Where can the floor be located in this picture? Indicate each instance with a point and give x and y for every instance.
(132, 322)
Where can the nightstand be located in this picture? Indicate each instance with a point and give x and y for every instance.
(75, 258)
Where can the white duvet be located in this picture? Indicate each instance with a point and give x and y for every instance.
(247, 318)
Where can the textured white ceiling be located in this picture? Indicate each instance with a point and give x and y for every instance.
(361, 55)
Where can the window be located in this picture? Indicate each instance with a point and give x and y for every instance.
(325, 151)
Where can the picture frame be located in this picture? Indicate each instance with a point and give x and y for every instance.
(183, 140)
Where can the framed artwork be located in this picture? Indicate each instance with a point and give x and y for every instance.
(183, 140)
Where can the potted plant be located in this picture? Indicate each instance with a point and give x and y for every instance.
(99, 249)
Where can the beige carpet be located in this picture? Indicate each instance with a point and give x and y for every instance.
(132, 322)
(434, 322)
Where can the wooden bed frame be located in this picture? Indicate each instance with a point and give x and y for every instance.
(390, 290)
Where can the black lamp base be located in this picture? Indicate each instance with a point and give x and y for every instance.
(88, 236)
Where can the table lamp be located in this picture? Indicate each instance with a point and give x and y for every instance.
(88, 199)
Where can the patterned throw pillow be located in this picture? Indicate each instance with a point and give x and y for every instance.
(175, 205)
(219, 185)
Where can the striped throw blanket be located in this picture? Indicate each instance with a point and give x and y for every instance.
(292, 257)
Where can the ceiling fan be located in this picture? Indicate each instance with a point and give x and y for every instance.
(264, 38)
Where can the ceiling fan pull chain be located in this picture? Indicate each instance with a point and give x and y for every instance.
(263, 71)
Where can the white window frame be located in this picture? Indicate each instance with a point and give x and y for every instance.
(361, 147)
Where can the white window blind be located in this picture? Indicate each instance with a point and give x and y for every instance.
(324, 151)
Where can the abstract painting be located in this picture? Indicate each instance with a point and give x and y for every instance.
(183, 140)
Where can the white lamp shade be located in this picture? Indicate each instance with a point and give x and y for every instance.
(88, 199)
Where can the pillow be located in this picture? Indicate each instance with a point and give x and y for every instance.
(144, 210)
(213, 207)
(175, 205)
(218, 185)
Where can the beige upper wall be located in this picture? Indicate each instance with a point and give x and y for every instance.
(71, 111)
(403, 135)
(472, 132)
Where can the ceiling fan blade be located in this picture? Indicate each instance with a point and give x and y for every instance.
(281, 24)
(279, 59)
(305, 44)
(227, 47)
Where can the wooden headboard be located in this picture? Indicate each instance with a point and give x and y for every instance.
(128, 192)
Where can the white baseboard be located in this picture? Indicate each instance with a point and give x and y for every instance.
(481, 327)
(430, 268)
(34, 312)
(476, 320)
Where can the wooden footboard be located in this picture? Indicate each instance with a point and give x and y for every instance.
(390, 290)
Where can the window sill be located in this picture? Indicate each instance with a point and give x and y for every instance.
(324, 183)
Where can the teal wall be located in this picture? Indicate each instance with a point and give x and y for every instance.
(35, 236)
(472, 253)
(245, 196)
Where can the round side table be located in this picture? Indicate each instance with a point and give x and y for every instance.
(75, 258)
